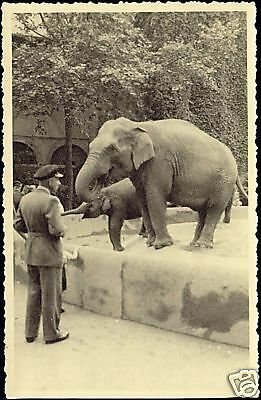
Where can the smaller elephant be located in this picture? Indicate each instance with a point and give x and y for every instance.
(119, 201)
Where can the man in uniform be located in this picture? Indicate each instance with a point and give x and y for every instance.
(39, 216)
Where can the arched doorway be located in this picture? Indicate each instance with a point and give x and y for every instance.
(24, 163)
(78, 158)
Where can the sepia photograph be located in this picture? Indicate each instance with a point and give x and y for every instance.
(129, 176)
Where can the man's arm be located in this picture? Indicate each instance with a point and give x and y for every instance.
(55, 224)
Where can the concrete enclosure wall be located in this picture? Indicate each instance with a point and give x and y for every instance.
(201, 293)
(178, 295)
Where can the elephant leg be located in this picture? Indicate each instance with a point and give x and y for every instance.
(157, 211)
(148, 227)
(143, 231)
(206, 237)
(150, 234)
(201, 222)
(115, 225)
(228, 209)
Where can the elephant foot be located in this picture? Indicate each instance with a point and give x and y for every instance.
(143, 232)
(118, 248)
(150, 241)
(203, 244)
(226, 220)
(159, 244)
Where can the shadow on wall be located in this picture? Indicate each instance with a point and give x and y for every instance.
(212, 311)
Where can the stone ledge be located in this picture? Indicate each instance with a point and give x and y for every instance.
(201, 292)
(95, 283)
(192, 293)
(202, 298)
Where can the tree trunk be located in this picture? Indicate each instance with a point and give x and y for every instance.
(68, 162)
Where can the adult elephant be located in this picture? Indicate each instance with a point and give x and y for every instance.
(167, 160)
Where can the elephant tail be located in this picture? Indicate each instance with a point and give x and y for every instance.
(228, 208)
(241, 189)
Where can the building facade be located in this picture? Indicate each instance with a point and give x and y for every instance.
(38, 142)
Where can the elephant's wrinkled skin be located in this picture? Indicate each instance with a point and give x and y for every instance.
(119, 201)
(167, 160)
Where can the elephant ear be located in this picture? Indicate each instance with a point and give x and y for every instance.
(143, 149)
(106, 205)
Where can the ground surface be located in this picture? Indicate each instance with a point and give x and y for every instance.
(105, 357)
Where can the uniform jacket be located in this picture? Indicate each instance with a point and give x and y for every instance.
(39, 215)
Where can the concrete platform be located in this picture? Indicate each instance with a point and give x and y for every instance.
(202, 292)
(79, 227)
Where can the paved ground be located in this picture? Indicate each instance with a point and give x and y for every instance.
(105, 357)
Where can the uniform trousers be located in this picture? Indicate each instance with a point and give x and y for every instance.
(44, 296)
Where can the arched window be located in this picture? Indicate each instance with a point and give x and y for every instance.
(24, 163)
(78, 156)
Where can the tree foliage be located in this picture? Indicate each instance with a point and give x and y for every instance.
(76, 60)
(189, 65)
(200, 73)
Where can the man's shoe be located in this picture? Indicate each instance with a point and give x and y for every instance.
(61, 337)
(30, 339)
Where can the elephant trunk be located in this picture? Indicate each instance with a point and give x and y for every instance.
(79, 210)
(86, 183)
